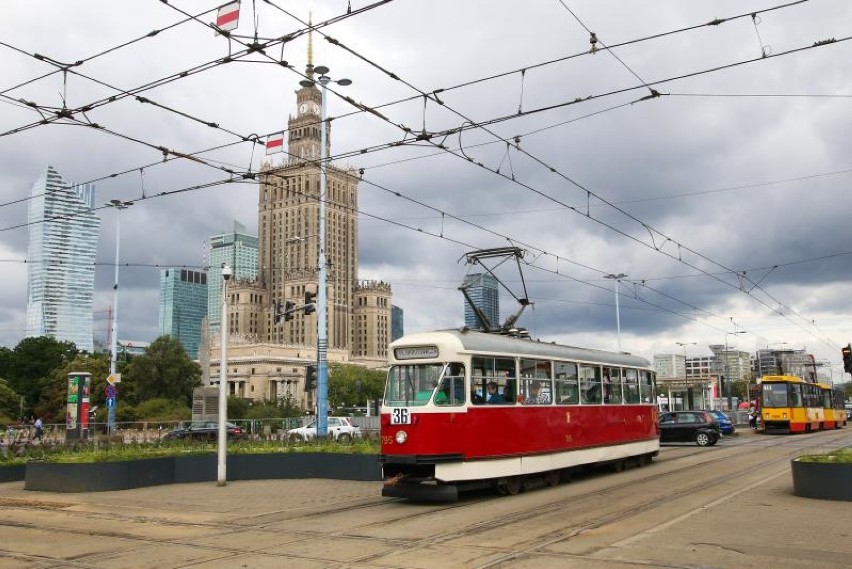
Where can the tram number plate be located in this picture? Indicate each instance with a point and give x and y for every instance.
(401, 417)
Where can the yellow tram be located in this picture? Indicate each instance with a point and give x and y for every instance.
(789, 404)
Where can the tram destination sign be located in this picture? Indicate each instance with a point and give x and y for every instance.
(416, 352)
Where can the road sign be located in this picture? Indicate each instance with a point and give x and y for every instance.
(114, 378)
(110, 402)
(110, 391)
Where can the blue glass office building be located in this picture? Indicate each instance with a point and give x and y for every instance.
(484, 294)
(238, 250)
(183, 305)
(397, 324)
(63, 242)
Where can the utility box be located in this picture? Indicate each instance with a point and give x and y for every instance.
(205, 404)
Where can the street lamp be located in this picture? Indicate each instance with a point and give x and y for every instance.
(322, 300)
(222, 446)
(118, 205)
(617, 278)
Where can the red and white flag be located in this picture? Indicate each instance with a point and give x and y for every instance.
(275, 143)
(228, 17)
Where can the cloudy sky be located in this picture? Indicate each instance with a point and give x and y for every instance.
(707, 163)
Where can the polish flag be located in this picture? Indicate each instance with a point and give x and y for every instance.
(275, 143)
(228, 17)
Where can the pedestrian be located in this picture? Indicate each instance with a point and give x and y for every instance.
(752, 417)
(39, 429)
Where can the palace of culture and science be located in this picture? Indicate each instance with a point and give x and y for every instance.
(268, 359)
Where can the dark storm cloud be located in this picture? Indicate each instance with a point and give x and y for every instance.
(712, 174)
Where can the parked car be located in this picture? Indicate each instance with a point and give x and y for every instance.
(340, 429)
(726, 426)
(204, 431)
(699, 427)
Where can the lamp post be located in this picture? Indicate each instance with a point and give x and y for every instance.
(617, 278)
(113, 359)
(728, 369)
(222, 446)
(322, 299)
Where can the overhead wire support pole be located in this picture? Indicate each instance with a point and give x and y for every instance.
(222, 443)
(322, 296)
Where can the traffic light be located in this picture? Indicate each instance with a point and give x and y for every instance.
(310, 305)
(286, 314)
(847, 358)
(310, 378)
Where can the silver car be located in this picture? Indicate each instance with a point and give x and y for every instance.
(340, 429)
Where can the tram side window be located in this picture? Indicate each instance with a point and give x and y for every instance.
(451, 391)
(565, 383)
(631, 386)
(612, 385)
(535, 382)
(646, 385)
(501, 371)
(590, 384)
(796, 399)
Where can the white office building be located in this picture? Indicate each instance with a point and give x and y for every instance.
(63, 241)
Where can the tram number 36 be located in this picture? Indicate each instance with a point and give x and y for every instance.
(400, 417)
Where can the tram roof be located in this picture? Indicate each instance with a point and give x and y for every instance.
(475, 341)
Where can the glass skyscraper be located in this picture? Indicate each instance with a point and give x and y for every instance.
(238, 250)
(63, 242)
(397, 323)
(183, 304)
(482, 289)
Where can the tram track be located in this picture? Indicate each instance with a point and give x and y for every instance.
(576, 529)
(664, 485)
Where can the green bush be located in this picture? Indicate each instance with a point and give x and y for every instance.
(839, 456)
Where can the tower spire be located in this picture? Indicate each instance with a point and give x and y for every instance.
(309, 70)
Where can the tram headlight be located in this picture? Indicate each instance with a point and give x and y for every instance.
(401, 437)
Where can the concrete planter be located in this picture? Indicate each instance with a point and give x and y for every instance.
(104, 476)
(12, 473)
(825, 481)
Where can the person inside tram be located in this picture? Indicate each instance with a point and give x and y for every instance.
(536, 397)
(493, 396)
(509, 392)
(607, 389)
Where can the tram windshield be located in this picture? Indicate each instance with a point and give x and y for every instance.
(775, 395)
(412, 385)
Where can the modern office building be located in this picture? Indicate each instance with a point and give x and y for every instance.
(482, 290)
(397, 323)
(238, 250)
(784, 362)
(63, 242)
(670, 366)
(183, 305)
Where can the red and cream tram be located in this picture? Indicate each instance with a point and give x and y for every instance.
(466, 409)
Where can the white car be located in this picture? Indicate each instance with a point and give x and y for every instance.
(340, 429)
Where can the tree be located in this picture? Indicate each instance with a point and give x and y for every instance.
(10, 403)
(164, 370)
(32, 363)
(353, 386)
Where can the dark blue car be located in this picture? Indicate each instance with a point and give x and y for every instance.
(726, 426)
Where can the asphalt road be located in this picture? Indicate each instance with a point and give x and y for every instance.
(728, 506)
